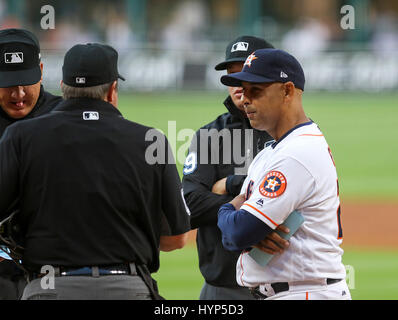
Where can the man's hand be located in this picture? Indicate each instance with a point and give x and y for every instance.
(274, 243)
(170, 243)
(238, 201)
(220, 187)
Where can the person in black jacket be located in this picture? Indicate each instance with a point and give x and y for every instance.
(94, 210)
(22, 96)
(214, 171)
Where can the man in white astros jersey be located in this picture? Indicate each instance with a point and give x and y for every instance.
(296, 172)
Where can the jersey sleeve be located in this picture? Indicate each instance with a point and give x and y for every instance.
(176, 212)
(240, 229)
(279, 190)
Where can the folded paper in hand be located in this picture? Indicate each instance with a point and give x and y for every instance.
(293, 222)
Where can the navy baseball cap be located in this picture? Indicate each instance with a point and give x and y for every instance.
(266, 66)
(19, 58)
(89, 65)
(239, 49)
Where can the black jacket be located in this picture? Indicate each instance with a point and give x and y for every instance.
(87, 194)
(45, 103)
(217, 265)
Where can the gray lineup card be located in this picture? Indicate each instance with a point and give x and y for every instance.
(293, 222)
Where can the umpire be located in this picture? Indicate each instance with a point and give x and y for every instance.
(21, 97)
(91, 206)
(21, 93)
(208, 185)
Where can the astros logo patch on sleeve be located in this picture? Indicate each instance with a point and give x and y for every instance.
(273, 185)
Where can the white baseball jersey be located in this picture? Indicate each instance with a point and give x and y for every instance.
(297, 173)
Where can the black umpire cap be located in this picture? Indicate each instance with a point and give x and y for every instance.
(267, 66)
(89, 65)
(239, 49)
(19, 58)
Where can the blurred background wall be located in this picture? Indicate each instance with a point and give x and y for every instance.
(174, 44)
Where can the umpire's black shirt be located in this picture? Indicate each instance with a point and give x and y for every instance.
(45, 103)
(217, 265)
(87, 194)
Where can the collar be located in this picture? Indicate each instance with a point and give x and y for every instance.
(234, 111)
(86, 104)
(290, 131)
(40, 99)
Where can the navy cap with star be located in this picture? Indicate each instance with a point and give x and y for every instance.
(267, 66)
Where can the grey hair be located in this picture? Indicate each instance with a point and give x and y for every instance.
(95, 92)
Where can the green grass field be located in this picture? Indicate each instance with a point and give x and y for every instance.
(361, 130)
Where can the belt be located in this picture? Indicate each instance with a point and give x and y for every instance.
(280, 287)
(95, 271)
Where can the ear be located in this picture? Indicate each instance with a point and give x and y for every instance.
(61, 83)
(112, 96)
(289, 90)
(41, 68)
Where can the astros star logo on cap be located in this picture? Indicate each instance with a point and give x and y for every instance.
(249, 60)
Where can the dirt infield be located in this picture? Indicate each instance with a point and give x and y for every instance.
(365, 224)
(370, 224)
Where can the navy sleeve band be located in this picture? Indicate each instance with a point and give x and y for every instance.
(240, 229)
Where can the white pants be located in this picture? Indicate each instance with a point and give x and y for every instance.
(314, 291)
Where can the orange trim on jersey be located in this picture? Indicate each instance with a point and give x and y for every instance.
(306, 296)
(311, 135)
(264, 215)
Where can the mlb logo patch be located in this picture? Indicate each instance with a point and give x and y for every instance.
(90, 115)
(240, 46)
(13, 57)
(80, 80)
